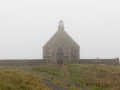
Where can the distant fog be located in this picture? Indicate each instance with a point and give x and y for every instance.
(26, 25)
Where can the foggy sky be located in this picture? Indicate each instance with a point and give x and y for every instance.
(26, 25)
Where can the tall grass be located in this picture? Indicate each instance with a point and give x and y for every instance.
(50, 69)
(97, 77)
(13, 79)
(94, 76)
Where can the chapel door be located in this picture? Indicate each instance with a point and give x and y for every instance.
(59, 56)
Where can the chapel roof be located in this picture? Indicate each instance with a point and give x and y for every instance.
(60, 34)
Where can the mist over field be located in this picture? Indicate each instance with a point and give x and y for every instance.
(26, 25)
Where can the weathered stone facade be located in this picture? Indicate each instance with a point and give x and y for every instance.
(61, 47)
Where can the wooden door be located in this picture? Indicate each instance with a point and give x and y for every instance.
(60, 56)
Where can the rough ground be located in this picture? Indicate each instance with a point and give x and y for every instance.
(57, 80)
(65, 70)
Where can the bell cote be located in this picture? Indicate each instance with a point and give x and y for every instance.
(61, 25)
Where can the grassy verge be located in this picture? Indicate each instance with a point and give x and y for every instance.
(14, 79)
(97, 77)
(50, 69)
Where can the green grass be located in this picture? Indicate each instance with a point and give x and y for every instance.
(94, 76)
(97, 77)
(14, 79)
(50, 69)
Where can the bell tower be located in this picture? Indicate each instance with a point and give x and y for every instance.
(61, 25)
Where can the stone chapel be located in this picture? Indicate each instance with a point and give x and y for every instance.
(61, 48)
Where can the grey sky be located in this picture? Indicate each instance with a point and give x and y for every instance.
(26, 25)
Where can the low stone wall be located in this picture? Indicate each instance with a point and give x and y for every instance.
(99, 61)
(72, 61)
(31, 62)
(22, 62)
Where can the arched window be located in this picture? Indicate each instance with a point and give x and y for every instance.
(60, 50)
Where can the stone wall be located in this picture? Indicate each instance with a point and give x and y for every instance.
(31, 62)
(72, 61)
(66, 60)
(99, 61)
(22, 62)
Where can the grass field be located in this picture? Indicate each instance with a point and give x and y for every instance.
(93, 76)
(14, 79)
(50, 69)
(96, 77)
